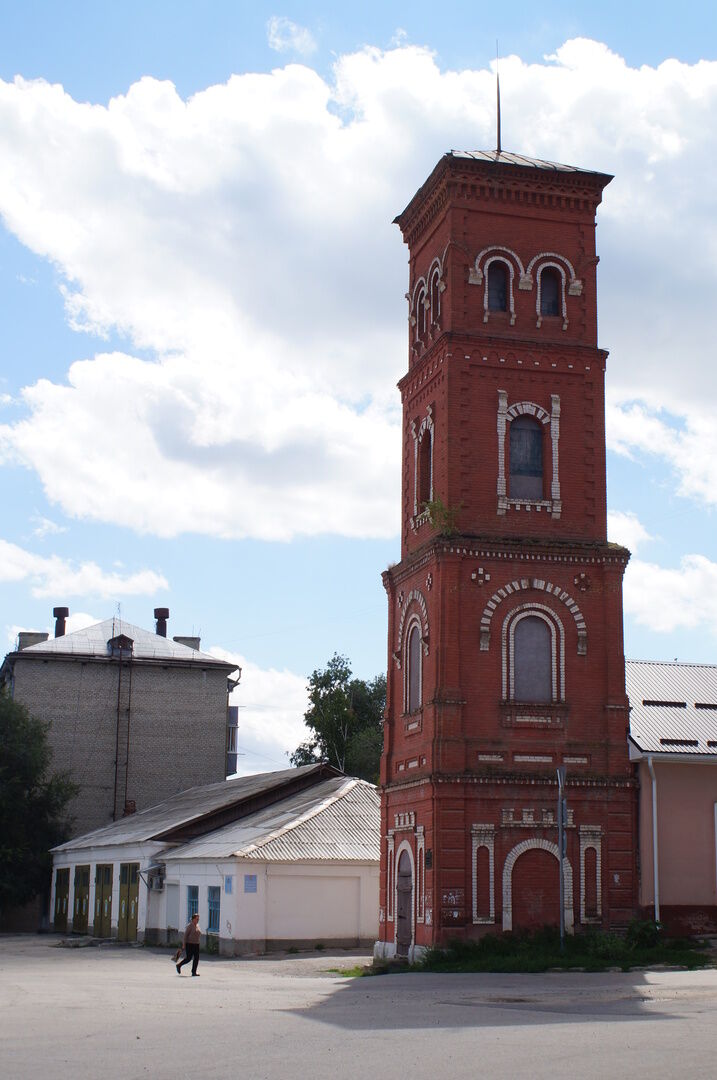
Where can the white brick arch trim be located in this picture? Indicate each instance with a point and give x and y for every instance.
(480, 265)
(418, 433)
(521, 585)
(405, 846)
(416, 598)
(528, 408)
(512, 858)
(591, 837)
(563, 306)
(562, 263)
(557, 638)
(511, 275)
(483, 836)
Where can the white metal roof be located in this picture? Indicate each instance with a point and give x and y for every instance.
(190, 805)
(673, 707)
(338, 819)
(92, 641)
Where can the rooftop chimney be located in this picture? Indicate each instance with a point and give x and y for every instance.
(26, 638)
(161, 614)
(190, 642)
(59, 614)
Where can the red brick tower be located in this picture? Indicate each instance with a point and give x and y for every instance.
(505, 611)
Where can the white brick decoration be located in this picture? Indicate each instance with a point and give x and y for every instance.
(506, 414)
(544, 586)
(426, 426)
(417, 596)
(557, 637)
(513, 856)
(483, 836)
(421, 874)
(591, 837)
(390, 875)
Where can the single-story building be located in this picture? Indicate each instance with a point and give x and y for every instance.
(271, 861)
(673, 741)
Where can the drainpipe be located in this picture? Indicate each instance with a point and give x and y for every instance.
(655, 862)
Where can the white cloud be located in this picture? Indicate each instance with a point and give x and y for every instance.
(56, 577)
(243, 239)
(46, 527)
(666, 600)
(625, 528)
(271, 714)
(284, 35)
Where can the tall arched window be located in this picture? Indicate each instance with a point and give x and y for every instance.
(526, 458)
(550, 289)
(532, 660)
(413, 672)
(497, 286)
(435, 296)
(425, 469)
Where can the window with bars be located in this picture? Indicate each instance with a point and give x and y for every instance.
(192, 901)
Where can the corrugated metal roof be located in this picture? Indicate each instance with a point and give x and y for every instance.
(506, 158)
(338, 819)
(673, 707)
(92, 641)
(184, 807)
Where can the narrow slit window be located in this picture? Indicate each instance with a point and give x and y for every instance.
(526, 458)
(549, 292)
(414, 669)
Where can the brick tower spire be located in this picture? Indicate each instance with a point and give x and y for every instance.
(505, 611)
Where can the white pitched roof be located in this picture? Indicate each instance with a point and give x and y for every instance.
(92, 641)
(338, 819)
(673, 707)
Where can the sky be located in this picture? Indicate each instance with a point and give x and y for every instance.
(202, 313)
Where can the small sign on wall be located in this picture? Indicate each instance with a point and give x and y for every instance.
(249, 883)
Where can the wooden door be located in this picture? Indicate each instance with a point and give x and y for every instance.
(62, 895)
(128, 900)
(103, 900)
(80, 911)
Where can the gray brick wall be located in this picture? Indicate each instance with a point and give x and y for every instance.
(177, 728)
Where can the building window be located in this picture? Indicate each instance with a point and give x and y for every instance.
(192, 901)
(435, 296)
(532, 660)
(250, 883)
(228, 884)
(526, 459)
(497, 286)
(413, 669)
(425, 468)
(550, 289)
(213, 901)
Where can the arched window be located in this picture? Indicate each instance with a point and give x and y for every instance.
(425, 469)
(550, 289)
(532, 660)
(526, 458)
(413, 669)
(435, 296)
(497, 286)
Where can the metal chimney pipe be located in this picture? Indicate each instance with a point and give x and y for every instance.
(161, 614)
(59, 614)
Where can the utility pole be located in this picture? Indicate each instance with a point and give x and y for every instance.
(562, 846)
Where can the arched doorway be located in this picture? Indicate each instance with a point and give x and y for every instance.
(404, 897)
(536, 891)
(531, 887)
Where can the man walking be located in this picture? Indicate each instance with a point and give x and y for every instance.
(190, 941)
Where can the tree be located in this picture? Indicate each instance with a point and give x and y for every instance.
(345, 717)
(33, 804)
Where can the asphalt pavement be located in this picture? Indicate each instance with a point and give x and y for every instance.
(121, 1011)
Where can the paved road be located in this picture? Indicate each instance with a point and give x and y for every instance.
(123, 1012)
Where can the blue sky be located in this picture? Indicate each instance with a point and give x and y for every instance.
(220, 448)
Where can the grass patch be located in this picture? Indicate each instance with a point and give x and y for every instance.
(356, 972)
(593, 950)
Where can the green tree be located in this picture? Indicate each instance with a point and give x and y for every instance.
(345, 718)
(33, 804)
